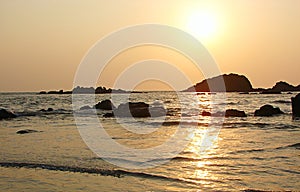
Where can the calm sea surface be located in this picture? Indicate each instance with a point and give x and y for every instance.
(257, 153)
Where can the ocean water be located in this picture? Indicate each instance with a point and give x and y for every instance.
(247, 153)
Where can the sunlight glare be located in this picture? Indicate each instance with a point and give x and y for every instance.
(202, 25)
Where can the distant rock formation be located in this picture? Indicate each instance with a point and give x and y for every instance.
(296, 106)
(238, 83)
(86, 90)
(233, 83)
(284, 86)
(267, 111)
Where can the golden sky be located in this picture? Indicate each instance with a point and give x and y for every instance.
(44, 41)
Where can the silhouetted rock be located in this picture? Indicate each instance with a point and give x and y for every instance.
(283, 86)
(270, 91)
(205, 113)
(4, 114)
(133, 109)
(296, 106)
(228, 113)
(83, 90)
(48, 110)
(43, 92)
(108, 115)
(139, 109)
(267, 111)
(86, 107)
(101, 90)
(233, 83)
(234, 113)
(105, 105)
(25, 131)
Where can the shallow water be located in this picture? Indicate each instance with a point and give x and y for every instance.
(260, 153)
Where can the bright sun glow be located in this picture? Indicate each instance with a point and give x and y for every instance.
(202, 25)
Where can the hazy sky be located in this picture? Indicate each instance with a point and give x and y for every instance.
(42, 42)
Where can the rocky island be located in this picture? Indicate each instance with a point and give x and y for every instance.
(238, 83)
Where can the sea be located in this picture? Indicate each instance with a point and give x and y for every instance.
(80, 150)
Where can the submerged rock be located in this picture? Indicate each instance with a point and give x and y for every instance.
(48, 110)
(105, 105)
(234, 113)
(228, 113)
(86, 107)
(296, 106)
(4, 114)
(25, 131)
(109, 115)
(205, 113)
(267, 111)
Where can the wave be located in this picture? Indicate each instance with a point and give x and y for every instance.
(254, 190)
(296, 145)
(42, 112)
(281, 102)
(247, 151)
(104, 172)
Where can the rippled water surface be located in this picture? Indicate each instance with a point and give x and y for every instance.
(259, 153)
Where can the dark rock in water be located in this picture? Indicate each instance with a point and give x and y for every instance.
(43, 92)
(133, 109)
(228, 113)
(139, 109)
(4, 114)
(205, 113)
(267, 111)
(48, 110)
(269, 91)
(105, 105)
(234, 113)
(109, 115)
(86, 107)
(25, 131)
(296, 106)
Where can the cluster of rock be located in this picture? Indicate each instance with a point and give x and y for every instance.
(238, 83)
(86, 90)
(264, 111)
(141, 109)
(129, 109)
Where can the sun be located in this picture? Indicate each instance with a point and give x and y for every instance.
(202, 25)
